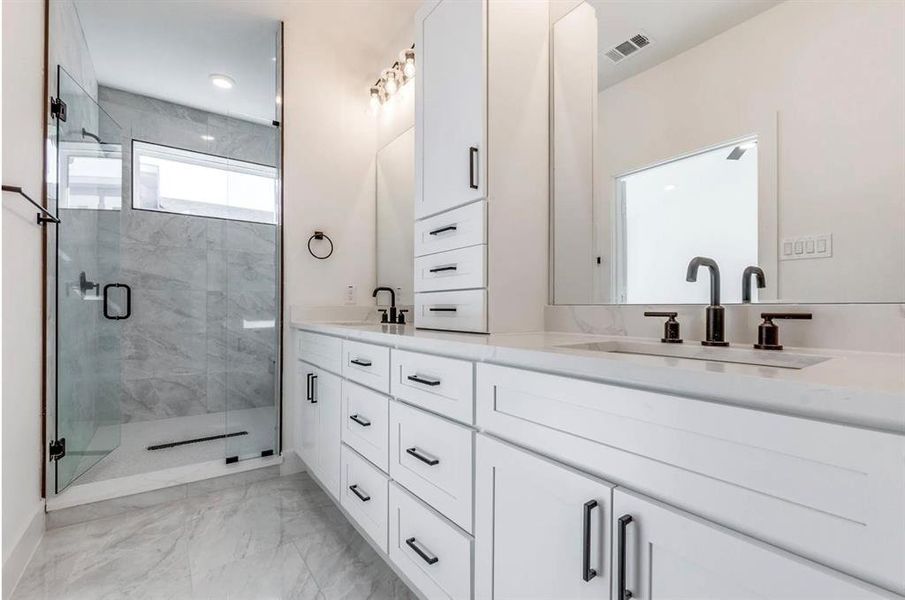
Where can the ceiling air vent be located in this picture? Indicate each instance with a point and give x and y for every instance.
(628, 47)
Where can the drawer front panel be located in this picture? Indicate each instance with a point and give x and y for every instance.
(429, 550)
(365, 423)
(450, 230)
(824, 491)
(432, 458)
(367, 364)
(439, 384)
(452, 311)
(364, 495)
(454, 270)
(321, 350)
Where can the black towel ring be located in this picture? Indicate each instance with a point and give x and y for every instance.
(320, 235)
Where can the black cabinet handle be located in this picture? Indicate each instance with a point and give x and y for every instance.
(361, 362)
(128, 312)
(428, 558)
(360, 420)
(441, 269)
(587, 573)
(472, 155)
(424, 380)
(441, 309)
(313, 389)
(624, 594)
(309, 395)
(361, 495)
(442, 230)
(428, 460)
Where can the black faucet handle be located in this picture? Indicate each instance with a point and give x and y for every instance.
(653, 313)
(671, 333)
(383, 316)
(785, 315)
(768, 331)
(400, 317)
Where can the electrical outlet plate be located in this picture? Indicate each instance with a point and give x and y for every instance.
(806, 247)
(350, 294)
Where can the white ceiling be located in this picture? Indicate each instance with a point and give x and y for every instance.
(674, 25)
(168, 50)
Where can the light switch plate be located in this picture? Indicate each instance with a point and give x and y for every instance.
(806, 247)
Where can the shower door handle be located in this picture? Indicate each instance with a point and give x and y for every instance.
(128, 312)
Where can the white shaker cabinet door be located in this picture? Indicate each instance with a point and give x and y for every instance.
(450, 105)
(660, 552)
(542, 529)
(306, 413)
(327, 392)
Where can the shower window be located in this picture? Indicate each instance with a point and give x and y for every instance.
(94, 176)
(192, 183)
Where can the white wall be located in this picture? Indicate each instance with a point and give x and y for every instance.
(820, 83)
(23, 93)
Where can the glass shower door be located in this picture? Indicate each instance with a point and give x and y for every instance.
(91, 301)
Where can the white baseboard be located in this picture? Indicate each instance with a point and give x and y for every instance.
(24, 549)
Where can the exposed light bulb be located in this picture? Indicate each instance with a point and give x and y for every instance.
(224, 82)
(375, 98)
(391, 84)
(408, 68)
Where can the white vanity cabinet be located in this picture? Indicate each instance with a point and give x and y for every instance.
(542, 530)
(481, 165)
(662, 552)
(450, 116)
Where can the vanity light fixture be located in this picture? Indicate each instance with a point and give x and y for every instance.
(392, 79)
(224, 82)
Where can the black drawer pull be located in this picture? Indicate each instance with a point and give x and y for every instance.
(442, 230)
(428, 558)
(587, 573)
(361, 495)
(309, 394)
(441, 309)
(441, 269)
(361, 362)
(360, 420)
(624, 594)
(472, 155)
(428, 460)
(424, 380)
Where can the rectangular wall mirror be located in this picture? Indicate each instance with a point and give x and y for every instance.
(757, 133)
(395, 212)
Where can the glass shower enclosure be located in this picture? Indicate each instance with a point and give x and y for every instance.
(164, 327)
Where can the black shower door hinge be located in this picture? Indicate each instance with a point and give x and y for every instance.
(57, 449)
(58, 109)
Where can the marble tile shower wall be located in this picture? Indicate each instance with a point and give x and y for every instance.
(198, 283)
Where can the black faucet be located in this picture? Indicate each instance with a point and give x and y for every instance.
(392, 317)
(746, 282)
(716, 327)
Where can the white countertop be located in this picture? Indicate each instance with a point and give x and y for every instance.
(857, 388)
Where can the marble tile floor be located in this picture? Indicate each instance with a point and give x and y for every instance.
(281, 538)
(132, 457)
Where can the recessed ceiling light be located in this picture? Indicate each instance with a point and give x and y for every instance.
(222, 81)
(207, 138)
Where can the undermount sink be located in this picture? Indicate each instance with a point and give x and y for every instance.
(694, 351)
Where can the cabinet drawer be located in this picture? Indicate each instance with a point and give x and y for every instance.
(367, 364)
(364, 495)
(431, 552)
(321, 350)
(439, 384)
(365, 427)
(454, 229)
(452, 311)
(454, 270)
(828, 492)
(432, 458)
